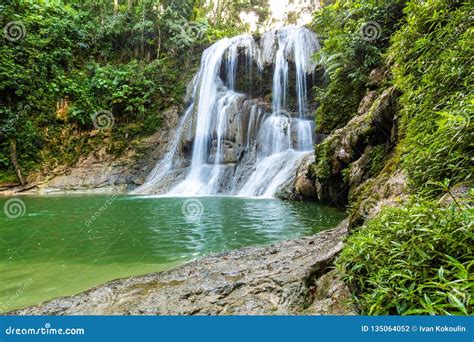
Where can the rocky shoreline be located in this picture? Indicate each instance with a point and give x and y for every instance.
(289, 277)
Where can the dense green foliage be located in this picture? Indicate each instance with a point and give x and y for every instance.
(68, 60)
(354, 35)
(433, 68)
(77, 58)
(417, 259)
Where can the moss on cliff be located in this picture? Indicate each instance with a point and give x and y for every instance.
(415, 258)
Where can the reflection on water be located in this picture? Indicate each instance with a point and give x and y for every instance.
(63, 245)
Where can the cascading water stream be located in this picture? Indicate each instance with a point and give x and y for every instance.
(209, 105)
(280, 75)
(277, 152)
(238, 147)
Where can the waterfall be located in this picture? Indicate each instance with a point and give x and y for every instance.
(280, 75)
(239, 146)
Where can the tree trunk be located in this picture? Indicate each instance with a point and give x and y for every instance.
(116, 6)
(15, 163)
(143, 30)
(158, 43)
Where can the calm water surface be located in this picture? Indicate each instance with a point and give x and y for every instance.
(62, 245)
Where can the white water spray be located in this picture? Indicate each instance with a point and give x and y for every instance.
(238, 147)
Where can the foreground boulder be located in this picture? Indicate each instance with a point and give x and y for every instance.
(289, 277)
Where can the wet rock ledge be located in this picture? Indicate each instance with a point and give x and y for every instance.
(289, 277)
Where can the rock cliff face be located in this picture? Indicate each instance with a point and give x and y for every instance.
(289, 277)
(102, 172)
(343, 160)
(350, 160)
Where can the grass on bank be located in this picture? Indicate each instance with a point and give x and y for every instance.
(416, 259)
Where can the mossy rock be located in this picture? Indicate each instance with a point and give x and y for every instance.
(346, 145)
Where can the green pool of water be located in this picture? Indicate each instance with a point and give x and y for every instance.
(61, 245)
